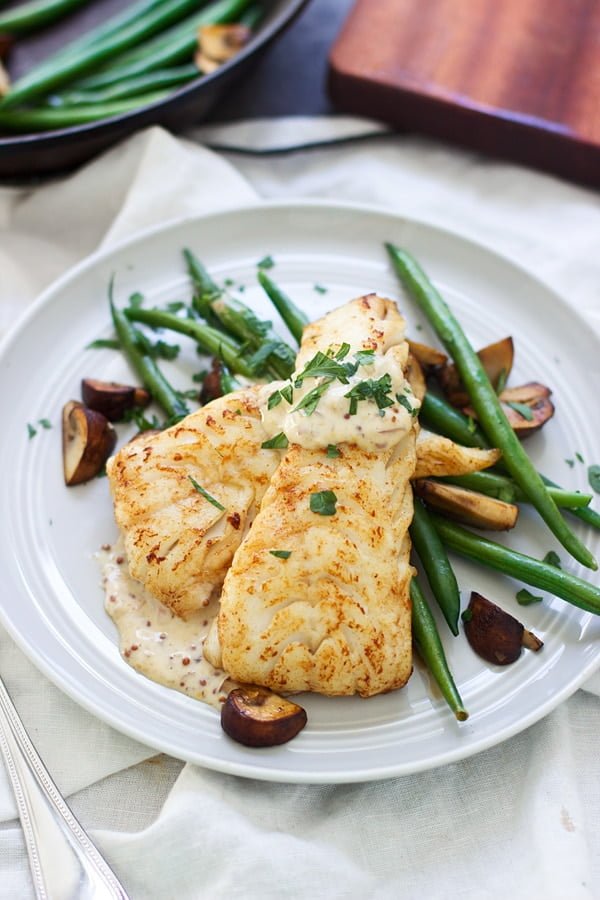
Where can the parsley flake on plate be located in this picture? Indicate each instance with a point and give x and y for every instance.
(594, 478)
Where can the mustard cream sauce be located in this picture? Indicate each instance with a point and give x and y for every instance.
(332, 422)
(156, 642)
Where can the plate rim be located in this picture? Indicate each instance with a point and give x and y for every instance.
(249, 770)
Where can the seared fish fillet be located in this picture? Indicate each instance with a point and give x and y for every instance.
(334, 616)
(178, 543)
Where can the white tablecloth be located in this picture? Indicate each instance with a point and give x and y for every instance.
(519, 820)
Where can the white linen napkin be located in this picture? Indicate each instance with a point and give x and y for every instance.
(44, 231)
(519, 819)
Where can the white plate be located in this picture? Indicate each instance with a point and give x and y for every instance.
(52, 602)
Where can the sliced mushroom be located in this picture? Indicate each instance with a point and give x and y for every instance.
(415, 377)
(6, 43)
(468, 507)
(497, 360)
(430, 358)
(218, 43)
(205, 64)
(211, 386)
(257, 717)
(527, 407)
(88, 440)
(534, 396)
(494, 634)
(439, 456)
(4, 81)
(112, 399)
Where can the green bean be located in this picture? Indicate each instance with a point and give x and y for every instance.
(503, 488)
(36, 14)
(517, 565)
(107, 29)
(293, 317)
(430, 647)
(587, 514)
(169, 48)
(146, 368)
(436, 565)
(131, 87)
(253, 16)
(439, 416)
(35, 84)
(239, 320)
(205, 290)
(270, 350)
(484, 399)
(48, 118)
(208, 339)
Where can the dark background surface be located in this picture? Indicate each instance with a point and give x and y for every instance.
(290, 79)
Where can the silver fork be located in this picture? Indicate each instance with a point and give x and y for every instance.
(65, 864)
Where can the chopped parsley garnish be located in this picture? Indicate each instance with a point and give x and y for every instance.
(104, 344)
(371, 389)
(552, 559)
(274, 400)
(579, 457)
(175, 306)
(320, 289)
(191, 394)
(365, 357)
(136, 300)
(526, 598)
(267, 262)
(159, 349)
(323, 366)
(310, 401)
(522, 409)
(45, 423)
(281, 554)
(31, 431)
(137, 415)
(323, 503)
(501, 381)
(287, 393)
(570, 462)
(162, 350)
(467, 615)
(405, 402)
(205, 494)
(332, 451)
(279, 442)
(594, 478)
(343, 351)
(198, 377)
(229, 282)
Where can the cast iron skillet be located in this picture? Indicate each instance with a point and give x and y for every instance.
(42, 153)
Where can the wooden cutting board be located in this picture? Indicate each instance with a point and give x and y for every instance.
(518, 79)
